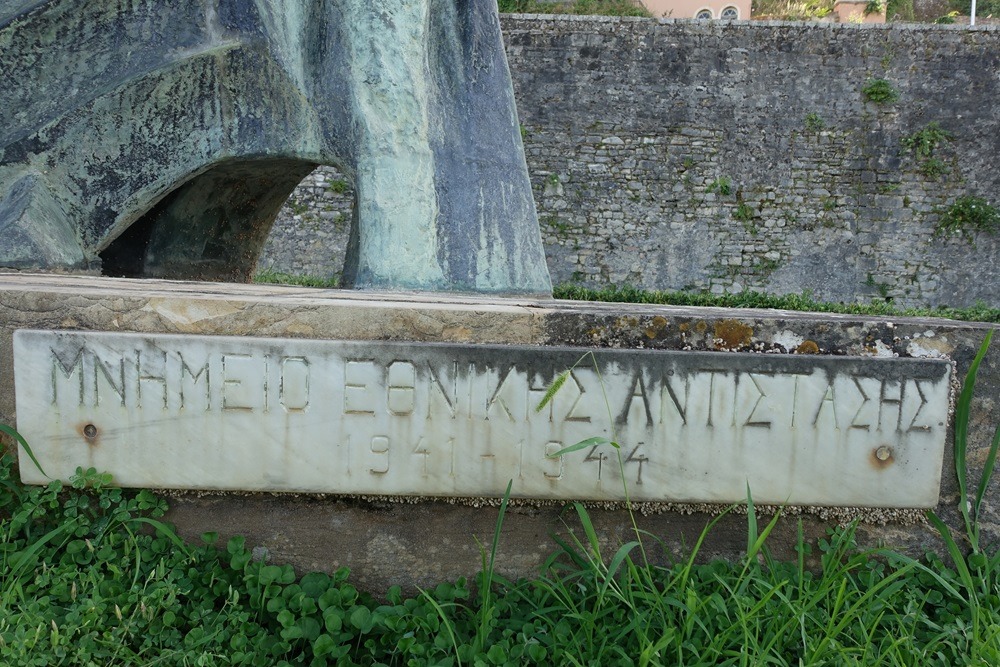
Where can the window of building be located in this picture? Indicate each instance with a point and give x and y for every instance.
(730, 13)
(704, 14)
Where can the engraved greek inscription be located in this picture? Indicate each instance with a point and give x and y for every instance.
(637, 404)
(796, 396)
(891, 397)
(194, 379)
(358, 374)
(736, 394)
(556, 465)
(914, 426)
(266, 381)
(293, 387)
(668, 396)
(402, 377)
(438, 392)
(379, 446)
(107, 371)
(422, 451)
(751, 420)
(598, 455)
(827, 409)
(237, 374)
(638, 459)
(470, 387)
(67, 371)
(146, 376)
(497, 399)
(711, 397)
(795, 399)
(861, 408)
(520, 460)
(799, 396)
(574, 410)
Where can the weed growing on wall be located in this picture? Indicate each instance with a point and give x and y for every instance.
(925, 141)
(933, 168)
(814, 122)
(339, 186)
(968, 216)
(879, 91)
(723, 185)
(743, 212)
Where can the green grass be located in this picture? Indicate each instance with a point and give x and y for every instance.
(628, 294)
(803, 302)
(268, 277)
(83, 584)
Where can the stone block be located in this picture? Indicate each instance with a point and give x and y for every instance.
(372, 529)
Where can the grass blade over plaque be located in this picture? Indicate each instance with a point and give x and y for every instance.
(596, 441)
(24, 445)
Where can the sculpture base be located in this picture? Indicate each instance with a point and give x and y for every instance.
(424, 538)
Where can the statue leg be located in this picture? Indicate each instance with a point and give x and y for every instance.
(396, 238)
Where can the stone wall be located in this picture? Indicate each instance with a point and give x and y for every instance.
(734, 156)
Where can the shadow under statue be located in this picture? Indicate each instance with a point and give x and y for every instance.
(160, 139)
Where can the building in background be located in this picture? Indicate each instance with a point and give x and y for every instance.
(699, 9)
(859, 11)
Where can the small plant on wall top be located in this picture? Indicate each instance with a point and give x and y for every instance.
(880, 91)
(968, 216)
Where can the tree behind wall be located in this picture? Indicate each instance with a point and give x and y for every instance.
(984, 8)
(791, 10)
(899, 10)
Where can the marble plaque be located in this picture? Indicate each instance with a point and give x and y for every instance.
(396, 418)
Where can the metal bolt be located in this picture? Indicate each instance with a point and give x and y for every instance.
(883, 453)
(90, 431)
